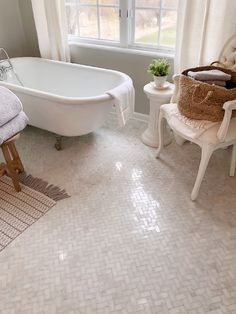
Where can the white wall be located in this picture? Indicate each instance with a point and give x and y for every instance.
(29, 28)
(12, 36)
(17, 30)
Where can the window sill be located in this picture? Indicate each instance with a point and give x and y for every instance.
(130, 50)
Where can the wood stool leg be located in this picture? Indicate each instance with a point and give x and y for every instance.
(10, 167)
(15, 155)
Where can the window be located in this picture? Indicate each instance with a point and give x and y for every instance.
(94, 19)
(144, 24)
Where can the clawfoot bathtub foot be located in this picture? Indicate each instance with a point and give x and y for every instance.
(58, 143)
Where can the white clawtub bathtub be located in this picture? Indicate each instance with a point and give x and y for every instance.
(63, 98)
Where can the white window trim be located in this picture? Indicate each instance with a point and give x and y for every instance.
(127, 34)
(130, 50)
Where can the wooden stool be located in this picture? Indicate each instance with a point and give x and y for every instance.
(13, 162)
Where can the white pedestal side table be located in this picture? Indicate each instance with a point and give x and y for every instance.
(157, 98)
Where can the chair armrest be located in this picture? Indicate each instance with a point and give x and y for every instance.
(175, 96)
(228, 107)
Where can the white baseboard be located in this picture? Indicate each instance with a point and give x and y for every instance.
(140, 117)
(136, 116)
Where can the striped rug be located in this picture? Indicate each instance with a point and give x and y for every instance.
(20, 210)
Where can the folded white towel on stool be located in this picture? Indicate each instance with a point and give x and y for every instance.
(12, 127)
(10, 105)
(124, 97)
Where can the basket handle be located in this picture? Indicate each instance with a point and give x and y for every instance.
(208, 95)
(218, 62)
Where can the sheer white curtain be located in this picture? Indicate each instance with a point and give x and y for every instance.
(203, 27)
(51, 26)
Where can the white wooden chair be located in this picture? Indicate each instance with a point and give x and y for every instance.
(221, 135)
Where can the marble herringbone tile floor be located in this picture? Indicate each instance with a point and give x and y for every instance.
(129, 240)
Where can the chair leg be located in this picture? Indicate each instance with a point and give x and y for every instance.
(160, 134)
(10, 168)
(233, 161)
(205, 157)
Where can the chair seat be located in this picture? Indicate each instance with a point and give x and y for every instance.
(206, 132)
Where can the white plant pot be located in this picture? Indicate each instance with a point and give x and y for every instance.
(159, 81)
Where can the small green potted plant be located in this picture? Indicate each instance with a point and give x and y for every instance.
(159, 68)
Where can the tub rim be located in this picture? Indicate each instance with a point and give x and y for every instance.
(63, 99)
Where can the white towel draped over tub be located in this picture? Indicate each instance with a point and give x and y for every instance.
(124, 96)
(10, 105)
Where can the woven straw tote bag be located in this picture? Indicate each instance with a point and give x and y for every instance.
(202, 101)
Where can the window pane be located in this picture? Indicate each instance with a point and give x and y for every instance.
(147, 3)
(71, 1)
(109, 23)
(109, 2)
(87, 2)
(170, 4)
(72, 15)
(168, 28)
(88, 22)
(146, 26)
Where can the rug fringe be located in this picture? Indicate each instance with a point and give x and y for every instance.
(39, 185)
